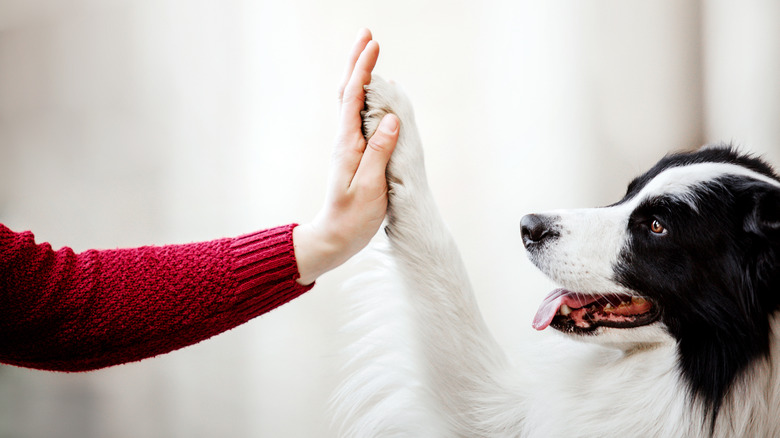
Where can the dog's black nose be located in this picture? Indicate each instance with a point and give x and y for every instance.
(534, 228)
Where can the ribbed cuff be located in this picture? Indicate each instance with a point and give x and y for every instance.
(265, 267)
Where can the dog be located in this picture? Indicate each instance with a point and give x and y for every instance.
(667, 311)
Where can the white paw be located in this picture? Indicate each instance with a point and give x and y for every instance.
(382, 97)
(406, 169)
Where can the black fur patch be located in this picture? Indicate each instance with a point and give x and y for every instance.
(715, 273)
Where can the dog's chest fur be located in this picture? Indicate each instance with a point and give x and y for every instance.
(587, 391)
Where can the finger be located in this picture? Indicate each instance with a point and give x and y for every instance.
(354, 95)
(370, 174)
(363, 37)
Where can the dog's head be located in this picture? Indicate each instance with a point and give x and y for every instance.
(689, 255)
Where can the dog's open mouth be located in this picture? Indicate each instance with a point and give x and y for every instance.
(572, 312)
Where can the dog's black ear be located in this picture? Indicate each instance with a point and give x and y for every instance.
(764, 219)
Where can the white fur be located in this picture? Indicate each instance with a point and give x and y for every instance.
(426, 365)
(583, 257)
(679, 181)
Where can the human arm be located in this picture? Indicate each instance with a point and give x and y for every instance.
(64, 311)
(73, 312)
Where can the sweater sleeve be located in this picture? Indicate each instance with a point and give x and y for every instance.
(75, 312)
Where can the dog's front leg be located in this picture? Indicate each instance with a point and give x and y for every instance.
(461, 356)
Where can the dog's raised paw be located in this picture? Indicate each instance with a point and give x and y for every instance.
(406, 163)
(382, 98)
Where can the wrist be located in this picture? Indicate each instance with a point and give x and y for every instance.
(316, 252)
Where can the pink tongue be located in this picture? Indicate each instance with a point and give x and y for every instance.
(553, 302)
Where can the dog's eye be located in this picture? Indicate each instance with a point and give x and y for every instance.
(656, 227)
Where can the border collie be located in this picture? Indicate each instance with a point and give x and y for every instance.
(667, 311)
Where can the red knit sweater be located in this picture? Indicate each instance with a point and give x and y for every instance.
(75, 312)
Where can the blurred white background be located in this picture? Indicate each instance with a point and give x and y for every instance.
(132, 122)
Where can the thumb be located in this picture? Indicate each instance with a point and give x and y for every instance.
(377, 154)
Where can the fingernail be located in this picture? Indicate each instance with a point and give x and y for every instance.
(389, 124)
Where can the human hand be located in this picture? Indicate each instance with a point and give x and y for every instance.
(356, 200)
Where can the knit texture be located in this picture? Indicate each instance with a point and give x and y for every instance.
(75, 312)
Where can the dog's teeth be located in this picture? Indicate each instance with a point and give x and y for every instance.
(608, 307)
(638, 301)
(565, 310)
